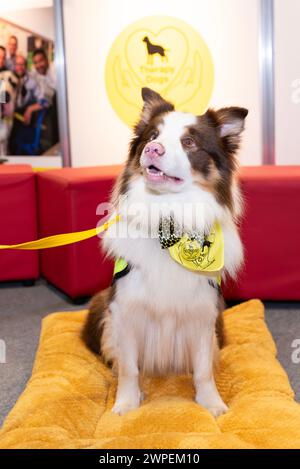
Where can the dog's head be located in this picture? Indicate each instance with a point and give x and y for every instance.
(173, 150)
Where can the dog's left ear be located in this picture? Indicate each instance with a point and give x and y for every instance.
(154, 104)
(231, 121)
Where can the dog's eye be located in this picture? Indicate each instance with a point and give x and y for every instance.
(153, 135)
(188, 142)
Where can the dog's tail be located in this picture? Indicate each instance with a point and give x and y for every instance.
(93, 328)
(219, 332)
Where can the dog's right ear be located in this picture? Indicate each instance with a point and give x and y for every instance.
(149, 95)
(154, 104)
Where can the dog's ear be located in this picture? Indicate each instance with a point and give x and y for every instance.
(149, 95)
(231, 120)
(229, 123)
(154, 104)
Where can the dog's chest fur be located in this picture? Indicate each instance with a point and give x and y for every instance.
(166, 305)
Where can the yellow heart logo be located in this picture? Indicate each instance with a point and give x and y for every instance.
(165, 54)
(152, 59)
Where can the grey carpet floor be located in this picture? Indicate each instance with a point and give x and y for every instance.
(22, 309)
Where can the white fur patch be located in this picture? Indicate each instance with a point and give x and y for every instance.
(175, 161)
(174, 124)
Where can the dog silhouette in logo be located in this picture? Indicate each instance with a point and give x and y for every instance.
(153, 49)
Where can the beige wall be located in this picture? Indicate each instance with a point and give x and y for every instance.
(35, 15)
(287, 83)
(229, 27)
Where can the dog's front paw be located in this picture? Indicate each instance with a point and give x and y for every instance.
(218, 409)
(121, 407)
(214, 405)
(125, 404)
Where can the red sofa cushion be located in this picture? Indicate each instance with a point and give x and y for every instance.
(270, 231)
(68, 199)
(17, 222)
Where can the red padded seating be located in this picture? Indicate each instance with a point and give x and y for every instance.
(270, 231)
(68, 199)
(271, 234)
(18, 222)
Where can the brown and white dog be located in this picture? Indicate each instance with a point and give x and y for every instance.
(161, 317)
(8, 85)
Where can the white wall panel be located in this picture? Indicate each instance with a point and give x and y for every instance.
(230, 29)
(287, 82)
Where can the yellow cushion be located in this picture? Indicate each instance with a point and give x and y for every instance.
(68, 399)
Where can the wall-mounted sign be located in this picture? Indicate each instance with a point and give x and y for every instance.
(165, 54)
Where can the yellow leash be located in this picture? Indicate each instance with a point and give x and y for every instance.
(61, 239)
(189, 258)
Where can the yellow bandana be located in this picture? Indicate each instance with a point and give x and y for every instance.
(208, 259)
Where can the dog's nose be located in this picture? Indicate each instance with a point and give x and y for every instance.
(154, 149)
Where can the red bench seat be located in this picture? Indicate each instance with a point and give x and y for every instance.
(18, 222)
(270, 231)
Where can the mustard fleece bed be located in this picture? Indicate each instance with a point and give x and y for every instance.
(67, 401)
